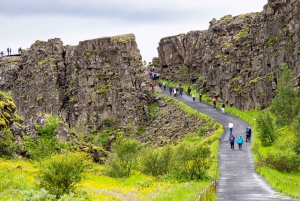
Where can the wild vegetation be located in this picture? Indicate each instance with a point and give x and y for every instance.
(57, 170)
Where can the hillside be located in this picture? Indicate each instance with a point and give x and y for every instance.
(238, 58)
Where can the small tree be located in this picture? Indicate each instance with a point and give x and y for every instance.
(191, 161)
(283, 103)
(123, 158)
(61, 172)
(46, 143)
(265, 128)
(156, 161)
(7, 144)
(296, 125)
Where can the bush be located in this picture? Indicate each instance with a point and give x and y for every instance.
(191, 162)
(7, 144)
(46, 143)
(123, 158)
(48, 129)
(265, 128)
(156, 161)
(283, 160)
(61, 172)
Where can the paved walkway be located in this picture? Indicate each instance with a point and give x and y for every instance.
(238, 179)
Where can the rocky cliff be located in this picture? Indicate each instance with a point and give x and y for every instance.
(96, 81)
(238, 58)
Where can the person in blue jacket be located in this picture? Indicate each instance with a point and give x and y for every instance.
(231, 140)
(247, 133)
(240, 142)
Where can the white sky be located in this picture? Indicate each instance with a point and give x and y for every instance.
(23, 22)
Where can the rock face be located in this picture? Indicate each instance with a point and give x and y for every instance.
(95, 81)
(238, 57)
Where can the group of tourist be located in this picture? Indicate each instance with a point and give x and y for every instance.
(9, 51)
(240, 140)
(177, 91)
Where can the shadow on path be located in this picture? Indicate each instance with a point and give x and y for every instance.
(238, 179)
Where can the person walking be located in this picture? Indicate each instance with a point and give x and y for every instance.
(247, 134)
(189, 91)
(231, 140)
(215, 103)
(170, 90)
(8, 51)
(164, 85)
(223, 108)
(174, 91)
(193, 96)
(240, 142)
(180, 91)
(200, 96)
(230, 125)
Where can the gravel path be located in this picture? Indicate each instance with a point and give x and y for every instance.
(238, 179)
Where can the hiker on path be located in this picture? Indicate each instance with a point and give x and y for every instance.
(193, 96)
(1, 53)
(8, 51)
(174, 91)
(170, 90)
(200, 96)
(189, 91)
(240, 142)
(164, 84)
(231, 140)
(247, 134)
(180, 91)
(223, 108)
(230, 125)
(215, 103)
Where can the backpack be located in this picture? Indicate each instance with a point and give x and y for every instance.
(231, 138)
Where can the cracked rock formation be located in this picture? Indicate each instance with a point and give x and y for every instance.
(238, 58)
(96, 81)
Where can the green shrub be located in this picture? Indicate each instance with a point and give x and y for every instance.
(265, 127)
(48, 129)
(7, 143)
(191, 161)
(123, 158)
(47, 142)
(61, 172)
(156, 161)
(41, 147)
(283, 160)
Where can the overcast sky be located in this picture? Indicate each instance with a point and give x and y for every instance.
(23, 22)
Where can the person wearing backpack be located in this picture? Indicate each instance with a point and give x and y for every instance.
(240, 142)
(247, 134)
(231, 140)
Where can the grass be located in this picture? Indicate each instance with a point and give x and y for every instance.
(19, 175)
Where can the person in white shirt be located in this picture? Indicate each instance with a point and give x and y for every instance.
(230, 125)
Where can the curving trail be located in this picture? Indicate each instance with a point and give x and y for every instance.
(238, 180)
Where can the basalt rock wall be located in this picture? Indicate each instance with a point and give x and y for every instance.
(238, 58)
(97, 83)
